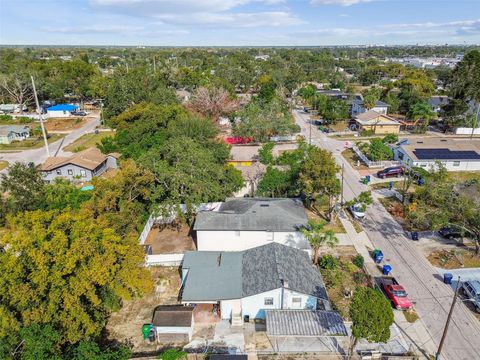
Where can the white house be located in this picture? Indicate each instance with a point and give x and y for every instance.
(10, 133)
(249, 282)
(243, 223)
(61, 110)
(173, 323)
(454, 154)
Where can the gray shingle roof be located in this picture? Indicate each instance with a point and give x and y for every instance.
(265, 267)
(304, 323)
(250, 214)
(7, 129)
(232, 275)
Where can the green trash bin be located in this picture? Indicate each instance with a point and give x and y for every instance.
(146, 328)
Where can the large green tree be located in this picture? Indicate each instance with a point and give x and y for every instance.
(371, 316)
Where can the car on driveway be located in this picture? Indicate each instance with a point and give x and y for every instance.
(391, 172)
(79, 113)
(357, 210)
(471, 289)
(396, 293)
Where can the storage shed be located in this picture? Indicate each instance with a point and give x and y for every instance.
(173, 323)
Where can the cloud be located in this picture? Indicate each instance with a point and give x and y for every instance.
(232, 20)
(113, 29)
(338, 2)
(414, 30)
(203, 13)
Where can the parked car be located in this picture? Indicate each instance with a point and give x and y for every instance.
(391, 171)
(79, 113)
(450, 232)
(396, 293)
(471, 289)
(357, 210)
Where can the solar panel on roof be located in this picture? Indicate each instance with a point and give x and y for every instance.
(446, 154)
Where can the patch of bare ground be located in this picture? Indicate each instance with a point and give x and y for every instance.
(169, 239)
(454, 258)
(125, 325)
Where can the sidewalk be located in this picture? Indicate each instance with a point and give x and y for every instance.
(414, 334)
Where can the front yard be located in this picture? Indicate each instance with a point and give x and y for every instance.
(30, 143)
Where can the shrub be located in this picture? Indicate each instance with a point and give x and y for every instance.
(172, 354)
(265, 153)
(358, 260)
(328, 262)
(390, 139)
(360, 278)
(368, 133)
(379, 151)
(24, 120)
(5, 117)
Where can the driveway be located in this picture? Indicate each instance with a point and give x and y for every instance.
(38, 156)
(432, 298)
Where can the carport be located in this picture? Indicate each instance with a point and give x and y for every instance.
(298, 330)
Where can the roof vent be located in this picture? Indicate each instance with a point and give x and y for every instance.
(419, 142)
(264, 205)
(219, 259)
(443, 140)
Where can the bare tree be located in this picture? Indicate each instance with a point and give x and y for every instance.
(213, 102)
(17, 89)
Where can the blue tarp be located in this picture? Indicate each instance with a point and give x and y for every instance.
(63, 107)
(86, 188)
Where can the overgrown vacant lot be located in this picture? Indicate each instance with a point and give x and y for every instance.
(87, 141)
(65, 124)
(455, 258)
(126, 324)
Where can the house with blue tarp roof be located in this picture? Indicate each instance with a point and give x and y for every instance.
(61, 110)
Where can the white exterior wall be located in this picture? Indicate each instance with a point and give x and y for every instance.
(429, 165)
(243, 240)
(227, 306)
(58, 113)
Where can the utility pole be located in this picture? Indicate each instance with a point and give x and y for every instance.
(39, 111)
(457, 288)
(310, 132)
(341, 199)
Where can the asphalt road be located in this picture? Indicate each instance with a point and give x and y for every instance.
(431, 297)
(38, 156)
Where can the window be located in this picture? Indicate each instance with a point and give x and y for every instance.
(269, 236)
(268, 301)
(70, 172)
(456, 163)
(83, 173)
(297, 302)
(59, 172)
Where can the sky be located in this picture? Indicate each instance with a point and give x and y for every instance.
(239, 22)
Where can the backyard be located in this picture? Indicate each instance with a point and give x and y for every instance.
(87, 141)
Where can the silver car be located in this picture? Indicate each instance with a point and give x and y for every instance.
(471, 289)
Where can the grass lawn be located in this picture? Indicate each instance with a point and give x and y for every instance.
(87, 141)
(3, 164)
(335, 225)
(30, 143)
(397, 184)
(64, 124)
(339, 126)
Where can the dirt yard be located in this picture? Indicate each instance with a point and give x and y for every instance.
(455, 258)
(65, 124)
(170, 239)
(126, 324)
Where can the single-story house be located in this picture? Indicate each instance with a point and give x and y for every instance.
(82, 166)
(358, 107)
(247, 283)
(436, 102)
(12, 108)
(173, 323)
(10, 133)
(61, 110)
(244, 223)
(454, 154)
(378, 123)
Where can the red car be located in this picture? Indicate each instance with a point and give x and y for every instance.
(232, 140)
(396, 293)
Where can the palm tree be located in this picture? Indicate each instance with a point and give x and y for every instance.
(422, 111)
(318, 236)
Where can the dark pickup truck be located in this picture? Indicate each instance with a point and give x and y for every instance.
(396, 293)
